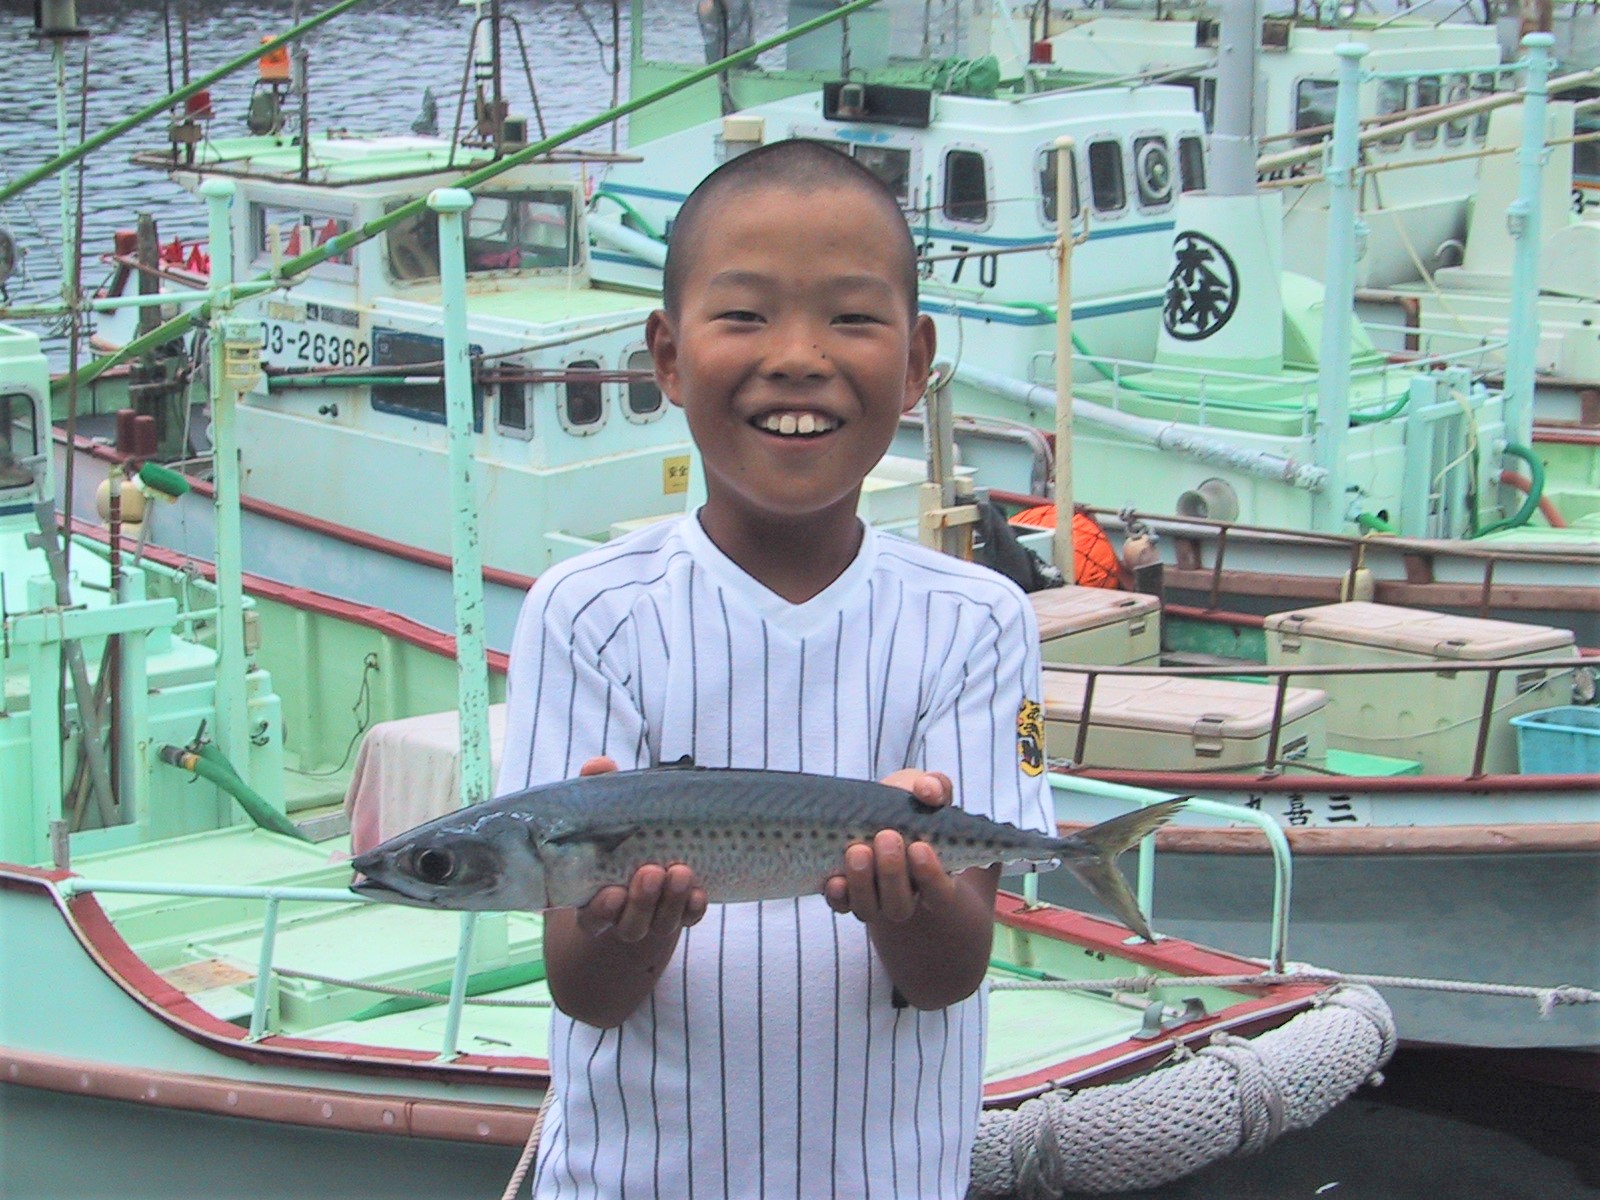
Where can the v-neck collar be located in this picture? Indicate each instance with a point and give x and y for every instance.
(800, 620)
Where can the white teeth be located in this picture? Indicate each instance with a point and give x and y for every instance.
(802, 423)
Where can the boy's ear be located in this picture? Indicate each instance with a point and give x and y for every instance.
(662, 341)
(919, 363)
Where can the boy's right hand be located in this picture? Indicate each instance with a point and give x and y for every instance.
(658, 900)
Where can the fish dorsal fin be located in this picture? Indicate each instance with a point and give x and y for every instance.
(686, 763)
(605, 838)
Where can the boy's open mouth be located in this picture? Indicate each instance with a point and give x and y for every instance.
(796, 424)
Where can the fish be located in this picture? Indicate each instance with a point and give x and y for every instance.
(747, 834)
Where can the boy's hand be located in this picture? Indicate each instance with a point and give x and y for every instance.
(886, 879)
(657, 900)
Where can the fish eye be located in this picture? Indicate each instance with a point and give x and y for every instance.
(434, 866)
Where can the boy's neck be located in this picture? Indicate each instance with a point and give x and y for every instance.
(792, 558)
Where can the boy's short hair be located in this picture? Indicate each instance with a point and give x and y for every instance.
(802, 164)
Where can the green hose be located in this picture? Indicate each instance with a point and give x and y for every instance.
(645, 227)
(211, 764)
(1372, 523)
(1530, 502)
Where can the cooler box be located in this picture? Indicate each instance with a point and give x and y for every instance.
(1097, 626)
(1431, 717)
(1179, 723)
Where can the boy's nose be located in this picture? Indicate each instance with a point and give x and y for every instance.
(796, 351)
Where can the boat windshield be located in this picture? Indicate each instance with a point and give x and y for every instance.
(529, 229)
(19, 441)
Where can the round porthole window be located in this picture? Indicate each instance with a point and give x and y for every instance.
(1153, 167)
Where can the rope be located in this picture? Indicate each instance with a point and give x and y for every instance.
(410, 993)
(1235, 1096)
(529, 1149)
(1548, 998)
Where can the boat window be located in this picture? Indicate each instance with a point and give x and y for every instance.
(585, 405)
(506, 231)
(966, 187)
(19, 440)
(1428, 92)
(1152, 171)
(1314, 101)
(1107, 187)
(644, 394)
(419, 401)
(1457, 92)
(890, 164)
(1482, 86)
(1047, 183)
(298, 230)
(1208, 101)
(1393, 97)
(511, 231)
(512, 416)
(1192, 163)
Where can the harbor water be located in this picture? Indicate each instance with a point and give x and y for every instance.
(1442, 1125)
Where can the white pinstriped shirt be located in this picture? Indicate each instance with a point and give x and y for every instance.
(771, 1059)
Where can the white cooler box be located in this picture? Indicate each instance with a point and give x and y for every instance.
(1429, 716)
(1179, 723)
(1097, 626)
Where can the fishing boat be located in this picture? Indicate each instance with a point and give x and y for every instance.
(181, 943)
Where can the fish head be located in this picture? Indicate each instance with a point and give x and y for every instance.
(463, 863)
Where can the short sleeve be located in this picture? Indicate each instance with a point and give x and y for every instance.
(988, 736)
(569, 696)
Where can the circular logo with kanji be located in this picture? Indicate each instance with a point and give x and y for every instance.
(1202, 291)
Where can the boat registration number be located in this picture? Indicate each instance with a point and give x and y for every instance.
(282, 341)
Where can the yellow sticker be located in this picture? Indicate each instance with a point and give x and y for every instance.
(1030, 737)
(675, 475)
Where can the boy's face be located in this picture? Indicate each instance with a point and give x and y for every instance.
(794, 351)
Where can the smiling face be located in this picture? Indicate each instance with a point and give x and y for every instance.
(793, 350)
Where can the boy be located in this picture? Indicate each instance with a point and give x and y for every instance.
(830, 1045)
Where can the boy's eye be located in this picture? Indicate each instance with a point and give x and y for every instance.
(738, 314)
(857, 318)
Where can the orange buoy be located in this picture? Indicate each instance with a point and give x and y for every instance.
(1094, 560)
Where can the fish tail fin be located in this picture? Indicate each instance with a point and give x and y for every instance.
(1092, 857)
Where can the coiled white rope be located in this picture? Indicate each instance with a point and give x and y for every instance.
(1235, 1096)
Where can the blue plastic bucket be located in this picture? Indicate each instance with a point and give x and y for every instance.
(1559, 741)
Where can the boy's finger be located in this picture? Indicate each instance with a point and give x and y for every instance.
(603, 909)
(896, 899)
(598, 766)
(644, 896)
(931, 882)
(677, 887)
(860, 882)
(696, 908)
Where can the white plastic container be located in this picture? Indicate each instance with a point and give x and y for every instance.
(1429, 716)
(1179, 723)
(1097, 626)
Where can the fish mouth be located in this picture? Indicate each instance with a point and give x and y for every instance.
(374, 889)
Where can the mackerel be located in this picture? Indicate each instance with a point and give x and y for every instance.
(748, 835)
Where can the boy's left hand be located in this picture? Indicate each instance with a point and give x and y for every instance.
(886, 879)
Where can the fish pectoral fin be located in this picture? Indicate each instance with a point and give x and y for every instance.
(605, 838)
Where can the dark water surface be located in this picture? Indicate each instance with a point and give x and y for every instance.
(1443, 1126)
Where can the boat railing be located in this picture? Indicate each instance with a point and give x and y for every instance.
(1194, 384)
(273, 897)
(1279, 676)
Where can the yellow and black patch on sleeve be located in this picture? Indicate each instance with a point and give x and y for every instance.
(1030, 737)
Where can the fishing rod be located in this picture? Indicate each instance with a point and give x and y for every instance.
(341, 243)
(89, 145)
